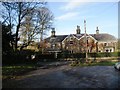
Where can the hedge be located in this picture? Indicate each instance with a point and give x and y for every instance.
(104, 54)
(82, 55)
(17, 57)
(20, 56)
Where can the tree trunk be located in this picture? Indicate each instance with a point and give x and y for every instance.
(18, 26)
(16, 37)
(21, 48)
(41, 39)
(96, 46)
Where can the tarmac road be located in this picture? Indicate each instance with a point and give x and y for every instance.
(66, 76)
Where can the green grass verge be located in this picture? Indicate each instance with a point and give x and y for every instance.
(103, 63)
(13, 71)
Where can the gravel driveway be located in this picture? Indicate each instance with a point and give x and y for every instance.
(68, 77)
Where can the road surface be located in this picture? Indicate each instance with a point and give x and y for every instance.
(66, 76)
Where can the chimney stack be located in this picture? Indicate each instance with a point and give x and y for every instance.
(78, 29)
(97, 30)
(53, 32)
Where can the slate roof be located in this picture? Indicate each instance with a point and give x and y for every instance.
(57, 38)
(104, 37)
(99, 37)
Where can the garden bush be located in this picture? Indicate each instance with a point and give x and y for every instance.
(83, 55)
(25, 56)
(17, 57)
(69, 55)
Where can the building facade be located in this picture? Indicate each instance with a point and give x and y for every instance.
(80, 42)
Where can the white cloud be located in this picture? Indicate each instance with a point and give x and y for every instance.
(60, 0)
(67, 16)
(71, 5)
(76, 0)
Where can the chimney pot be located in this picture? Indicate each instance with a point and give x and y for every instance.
(53, 32)
(97, 30)
(78, 29)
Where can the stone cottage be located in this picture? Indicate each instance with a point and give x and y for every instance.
(80, 42)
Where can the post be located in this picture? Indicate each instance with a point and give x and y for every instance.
(85, 41)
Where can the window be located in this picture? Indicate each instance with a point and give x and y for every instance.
(110, 50)
(71, 42)
(71, 51)
(107, 50)
(105, 44)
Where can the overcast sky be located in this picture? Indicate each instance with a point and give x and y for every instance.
(71, 13)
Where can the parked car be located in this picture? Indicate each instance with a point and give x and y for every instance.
(117, 66)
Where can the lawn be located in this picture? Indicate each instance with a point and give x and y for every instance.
(14, 71)
(102, 63)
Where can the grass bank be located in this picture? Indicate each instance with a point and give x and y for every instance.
(14, 71)
(102, 63)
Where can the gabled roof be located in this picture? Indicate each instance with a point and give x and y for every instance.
(78, 35)
(57, 38)
(99, 37)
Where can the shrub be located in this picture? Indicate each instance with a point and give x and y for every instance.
(69, 55)
(17, 57)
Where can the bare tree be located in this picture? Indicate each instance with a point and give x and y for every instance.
(27, 32)
(36, 23)
(8, 18)
(44, 19)
(17, 12)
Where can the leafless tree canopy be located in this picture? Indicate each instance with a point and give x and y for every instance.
(28, 19)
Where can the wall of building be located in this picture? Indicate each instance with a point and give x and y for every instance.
(71, 44)
(75, 45)
(107, 46)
